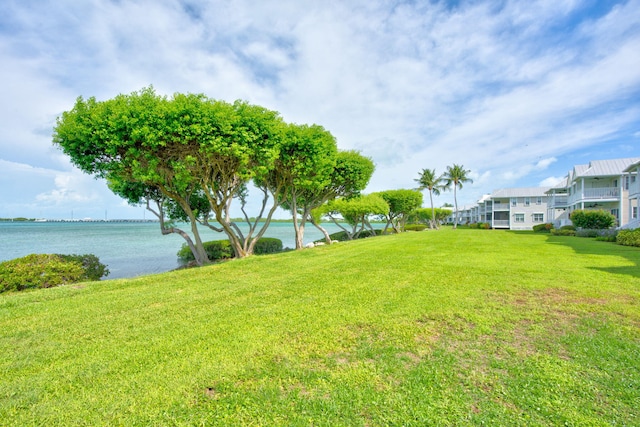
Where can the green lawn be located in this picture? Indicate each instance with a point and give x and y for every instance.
(450, 327)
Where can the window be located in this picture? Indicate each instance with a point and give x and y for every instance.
(514, 202)
(539, 201)
(527, 201)
(634, 213)
(519, 217)
(538, 217)
(616, 213)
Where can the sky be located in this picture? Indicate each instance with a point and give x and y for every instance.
(517, 92)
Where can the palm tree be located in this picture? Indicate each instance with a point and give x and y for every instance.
(456, 175)
(428, 180)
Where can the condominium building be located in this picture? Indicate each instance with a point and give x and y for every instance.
(610, 185)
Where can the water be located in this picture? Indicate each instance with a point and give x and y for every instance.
(127, 248)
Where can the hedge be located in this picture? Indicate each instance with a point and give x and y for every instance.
(49, 270)
(628, 237)
(543, 228)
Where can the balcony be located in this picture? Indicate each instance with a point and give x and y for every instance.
(559, 201)
(634, 188)
(607, 193)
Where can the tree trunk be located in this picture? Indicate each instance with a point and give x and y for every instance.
(327, 237)
(197, 248)
(455, 201)
(433, 212)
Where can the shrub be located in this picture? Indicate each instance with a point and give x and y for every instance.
(568, 227)
(480, 225)
(563, 232)
(268, 245)
(342, 236)
(595, 220)
(216, 250)
(414, 227)
(609, 235)
(47, 270)
(543, 228)
(92, 268)
(628, 237)
(221, 249)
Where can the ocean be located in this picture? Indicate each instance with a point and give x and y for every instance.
(128, 249)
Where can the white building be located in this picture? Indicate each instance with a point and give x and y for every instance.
(610, 185)
(632, 177)
(599, 185)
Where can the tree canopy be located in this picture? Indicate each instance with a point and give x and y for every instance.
(401, 204)
(455, 176)
(189, 157)
(429, 180)
(180, 149)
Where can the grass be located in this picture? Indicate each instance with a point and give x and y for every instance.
(454, 327)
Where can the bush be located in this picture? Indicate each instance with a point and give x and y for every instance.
(563, 232)
(594, 220)
(480, 225)
(628, 237)
(216, 250)
(221, 249)
(91, 265)
(342, 236)
(49, 270)
(543, 228)
(414, 227)
(268, 245)
(608, 235)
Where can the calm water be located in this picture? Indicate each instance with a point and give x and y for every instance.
(128, 249)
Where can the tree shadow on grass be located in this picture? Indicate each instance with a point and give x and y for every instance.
(585, 245)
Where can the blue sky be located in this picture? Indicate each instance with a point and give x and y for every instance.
(515, 91)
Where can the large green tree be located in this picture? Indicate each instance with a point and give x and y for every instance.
(401, 204)
(349, 177)
(455, 176)
(303, 172)
(433, 182)
(355, 212)
(181, 147)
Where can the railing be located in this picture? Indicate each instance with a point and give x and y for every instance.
(635, 187)
(501, 223)
(559, 201)
(596, 194)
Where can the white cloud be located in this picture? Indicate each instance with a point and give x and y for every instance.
(550, 181)
(507, 89)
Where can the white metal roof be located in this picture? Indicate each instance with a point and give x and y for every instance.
(519, 192)
(613, 167)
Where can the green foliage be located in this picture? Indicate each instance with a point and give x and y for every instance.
(480, 225)
(568, 227)
(425, 215)
(414, 227)
(543, 228)
(592, 219)
(48, 270)
(455, 176)
(628, 237)
(356, 210)
(563, 231)
(92, 268)
(401, 204)
(218, 250)
(343, 236)
(268, 245)
(600, 234)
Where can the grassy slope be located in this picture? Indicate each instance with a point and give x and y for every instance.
(446, 328)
